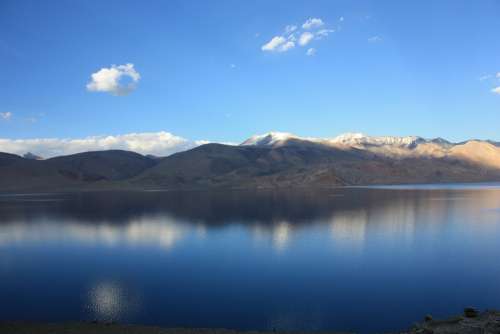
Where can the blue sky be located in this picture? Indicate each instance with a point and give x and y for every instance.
(390, 68)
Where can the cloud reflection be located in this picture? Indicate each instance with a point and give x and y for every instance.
(278, 234)
(281, 235)
(157, 231)
(349, 227)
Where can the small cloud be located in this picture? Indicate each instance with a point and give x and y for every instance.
(311, 52)
(278, 44)
(290, 28)
(324, 33)
(108, 80)
(232, 65)
(299, 35)
(31, 119)
(341, 19)
(496, 90)
(498, 75)
(312, 23)
(485, 77)
(6, 115)
(375, 39)
(305, 38)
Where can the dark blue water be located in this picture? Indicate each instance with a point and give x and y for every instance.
(365, 260)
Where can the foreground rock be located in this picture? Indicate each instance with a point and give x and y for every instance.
(471, 322)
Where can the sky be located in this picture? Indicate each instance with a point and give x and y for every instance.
(160, 76)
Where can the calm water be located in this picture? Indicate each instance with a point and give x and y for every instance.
(365, 260)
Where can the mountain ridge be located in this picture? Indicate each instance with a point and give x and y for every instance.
(270, 160)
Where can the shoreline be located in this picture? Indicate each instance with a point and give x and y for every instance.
(382, 186)
(472, 321)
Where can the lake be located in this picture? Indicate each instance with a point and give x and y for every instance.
(359, 259)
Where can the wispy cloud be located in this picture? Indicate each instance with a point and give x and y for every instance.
(311, 52)
(293, 35)
(375, 39)
(157, 143)
(290, 28)
(109, 80)
(6, 115)
(495, 90)
(323, 33)
(485, 77)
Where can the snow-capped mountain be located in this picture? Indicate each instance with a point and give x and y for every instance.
(387, 146)
(274, 159)
(356, 139)
(273, 139)
(269, 139)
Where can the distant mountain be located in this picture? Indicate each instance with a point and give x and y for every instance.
(32, 156)
(246, 166)
(482, 153)
(71, 171)
(270, 160)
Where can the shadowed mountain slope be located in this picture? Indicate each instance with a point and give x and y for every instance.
(271, 160)
(69, 171)
(242, 166)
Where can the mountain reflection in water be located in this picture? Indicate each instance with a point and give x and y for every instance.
(250, 260)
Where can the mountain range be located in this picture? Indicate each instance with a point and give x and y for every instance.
(274, 159)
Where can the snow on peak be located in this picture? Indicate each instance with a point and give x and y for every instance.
(269, 139)
(353, 139)
(356, 139)
(348, 137)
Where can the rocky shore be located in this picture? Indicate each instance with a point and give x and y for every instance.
(471, 322)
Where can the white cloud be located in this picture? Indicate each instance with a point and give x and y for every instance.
(278, 44)
(157, 143)
(341, 19)
(498, 75)
(294, 35)
(305, 38)
(311, 52)
(496, 90)
(108, 80)
(232, 65)
(274, 43)
(6, 115)
(375, 39)
(287, 46)
(312, 23)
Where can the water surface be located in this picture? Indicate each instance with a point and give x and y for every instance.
(359, 259)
